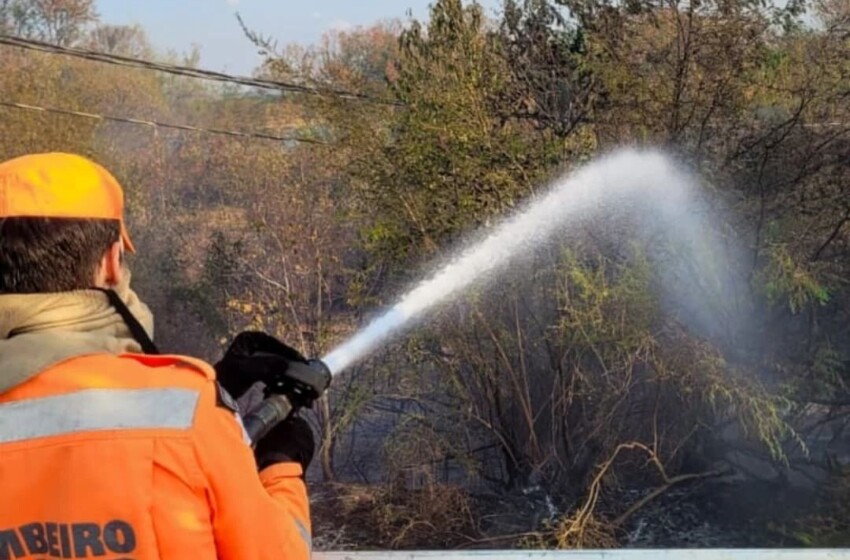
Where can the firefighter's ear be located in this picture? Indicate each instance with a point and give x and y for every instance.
(110, 271)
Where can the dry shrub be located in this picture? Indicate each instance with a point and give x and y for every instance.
(414, 509)
(579, 531)
(435, 516)
(585, 528)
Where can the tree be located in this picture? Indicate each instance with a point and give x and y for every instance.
(451, 161)
(56, 21)
(125, 40)
(553, 89)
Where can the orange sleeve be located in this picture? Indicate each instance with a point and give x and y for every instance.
(254, 516)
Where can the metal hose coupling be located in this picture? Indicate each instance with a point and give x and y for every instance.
(299, 386)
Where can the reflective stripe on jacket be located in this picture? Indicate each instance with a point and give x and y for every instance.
(130, 457)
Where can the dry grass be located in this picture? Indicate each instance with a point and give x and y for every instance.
(433, 517)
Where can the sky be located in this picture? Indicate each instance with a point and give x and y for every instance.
(211, 24)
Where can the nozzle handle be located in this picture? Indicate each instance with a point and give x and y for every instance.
(302, 382)
(271, 412)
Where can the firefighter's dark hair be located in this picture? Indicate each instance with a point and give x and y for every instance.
(46, 255)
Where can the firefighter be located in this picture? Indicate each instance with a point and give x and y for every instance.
(107, 448)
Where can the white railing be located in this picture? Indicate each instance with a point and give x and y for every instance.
(689, 554)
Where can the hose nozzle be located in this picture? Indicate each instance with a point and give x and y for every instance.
(299, 386)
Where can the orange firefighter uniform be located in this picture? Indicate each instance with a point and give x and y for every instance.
(110, 454)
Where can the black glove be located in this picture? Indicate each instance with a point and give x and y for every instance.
(253, 357)
(288, 442)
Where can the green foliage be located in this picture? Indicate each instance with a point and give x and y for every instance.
(453, 161)
(786, 282)
(609, 307)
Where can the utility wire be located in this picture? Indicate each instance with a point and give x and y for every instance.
(157, 124)
(119, 60)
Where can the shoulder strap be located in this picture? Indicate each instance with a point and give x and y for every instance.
(136, 329)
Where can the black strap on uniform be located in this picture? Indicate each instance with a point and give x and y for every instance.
(136, 329)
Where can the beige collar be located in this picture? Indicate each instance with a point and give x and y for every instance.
(40, 330)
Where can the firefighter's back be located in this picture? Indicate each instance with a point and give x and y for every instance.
(97, 461)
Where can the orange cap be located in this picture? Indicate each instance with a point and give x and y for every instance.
(61, 186)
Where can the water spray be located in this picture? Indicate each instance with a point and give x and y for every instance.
(607, 179)
(626, 176)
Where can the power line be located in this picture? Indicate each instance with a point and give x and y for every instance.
(119, 60)
(157, 124)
